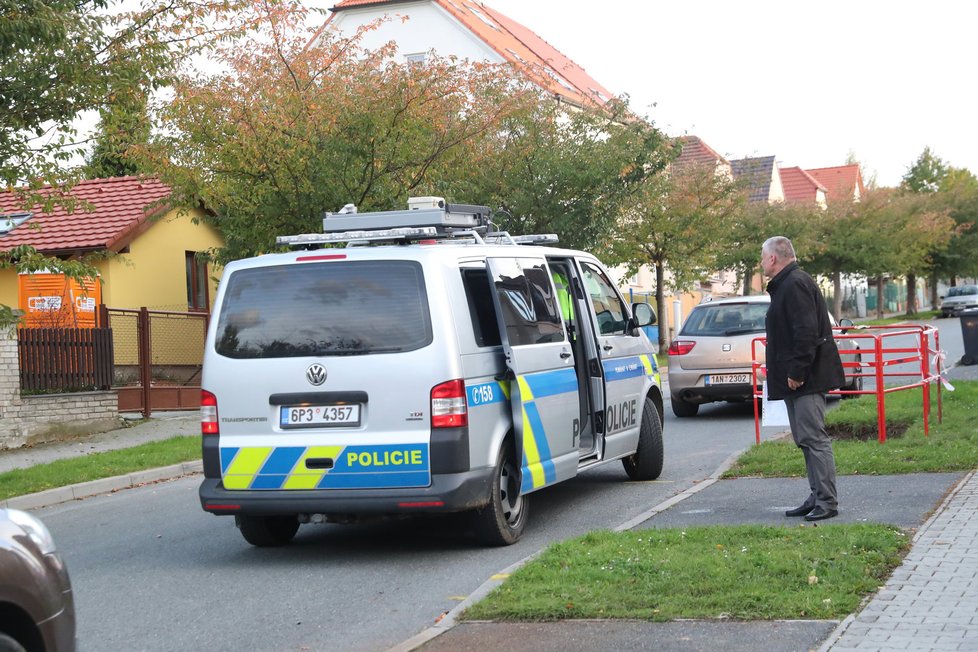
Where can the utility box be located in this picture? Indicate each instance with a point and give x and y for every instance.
(56, 301)
(969, 334)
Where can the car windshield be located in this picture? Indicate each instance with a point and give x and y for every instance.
(726, 319)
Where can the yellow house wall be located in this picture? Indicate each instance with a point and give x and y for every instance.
(153, 273)
(8, 287)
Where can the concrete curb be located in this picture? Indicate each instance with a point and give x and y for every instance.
(102, 486)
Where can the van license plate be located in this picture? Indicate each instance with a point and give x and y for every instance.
(728, 379)
(312, 416)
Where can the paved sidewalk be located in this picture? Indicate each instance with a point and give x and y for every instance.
(162, 426)
(931, 600)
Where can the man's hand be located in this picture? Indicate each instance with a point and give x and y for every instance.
(795, 384)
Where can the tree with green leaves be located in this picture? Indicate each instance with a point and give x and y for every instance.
(926, 173)
(890, 232)
(955, 192)
(754, 223)
(123, 126)
(677, 223)
(296, 126)
(569, 174)
(60, 58)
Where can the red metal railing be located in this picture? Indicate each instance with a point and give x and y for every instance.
(869, 352)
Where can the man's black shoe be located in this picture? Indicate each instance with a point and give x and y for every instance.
(820, 514)
(801, 510)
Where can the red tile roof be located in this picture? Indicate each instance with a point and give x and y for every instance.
(696, 152)
(799, 186)
(842, 182)
(546, 66)
(120, 206)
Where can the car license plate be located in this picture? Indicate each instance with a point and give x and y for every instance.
(318, 416)
(728, 379)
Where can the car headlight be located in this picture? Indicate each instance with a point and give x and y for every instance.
(34, 529)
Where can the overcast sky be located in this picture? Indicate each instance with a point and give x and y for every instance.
(807, 82)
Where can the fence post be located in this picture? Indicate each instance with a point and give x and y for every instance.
(145, 360)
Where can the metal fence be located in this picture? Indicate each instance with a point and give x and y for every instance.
(158, 357)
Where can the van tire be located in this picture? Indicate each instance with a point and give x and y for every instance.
(501, 522)
(267, 531)
(683, 408)
(646, 462)
(10, 644)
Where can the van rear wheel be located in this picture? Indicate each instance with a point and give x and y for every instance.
(646, 462)
(267, 531)
(501, 522)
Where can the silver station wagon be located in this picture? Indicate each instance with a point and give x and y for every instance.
(421, 363)
(710, 359)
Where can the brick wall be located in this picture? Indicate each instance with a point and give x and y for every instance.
(46, 417)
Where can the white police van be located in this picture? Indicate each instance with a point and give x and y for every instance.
(431, 365)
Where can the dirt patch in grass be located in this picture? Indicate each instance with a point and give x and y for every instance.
(864, 432)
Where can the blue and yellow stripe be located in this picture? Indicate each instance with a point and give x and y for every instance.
(270, 468)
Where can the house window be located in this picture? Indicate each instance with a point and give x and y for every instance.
(196, 282)
(416, 59)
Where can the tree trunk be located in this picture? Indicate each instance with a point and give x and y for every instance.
(837, 295)
(911, 294)
(748, 273)
(660, 301)
(933, 291)
(879, 297)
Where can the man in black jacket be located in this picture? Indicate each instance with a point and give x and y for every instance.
(803, 364)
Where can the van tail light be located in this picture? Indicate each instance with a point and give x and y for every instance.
(208, 414)
(448, 405)
(681, 347)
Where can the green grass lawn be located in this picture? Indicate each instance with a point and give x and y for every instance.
(751, 572)
(746, 572)
(99, 465)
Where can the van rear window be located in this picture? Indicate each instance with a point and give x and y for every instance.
(335, 308)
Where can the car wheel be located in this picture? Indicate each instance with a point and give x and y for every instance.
(646, 462)
(267, 531)
(8, 644)
(501, 522)
(683, 408)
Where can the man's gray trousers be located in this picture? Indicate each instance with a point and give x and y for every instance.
(806, 416)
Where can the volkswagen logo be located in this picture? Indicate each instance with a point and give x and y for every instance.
(316, 374)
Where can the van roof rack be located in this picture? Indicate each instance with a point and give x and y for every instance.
(429, 218)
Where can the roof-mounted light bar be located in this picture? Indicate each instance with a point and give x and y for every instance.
(536, 238)
(531, 239)
(357, 236)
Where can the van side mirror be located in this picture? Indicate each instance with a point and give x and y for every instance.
(642, 315)
(846, 324)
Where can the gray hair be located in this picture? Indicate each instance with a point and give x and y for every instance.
(780, 246)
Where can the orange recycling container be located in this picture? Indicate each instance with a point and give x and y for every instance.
(56, 301)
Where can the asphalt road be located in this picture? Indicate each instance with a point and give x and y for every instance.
(151, 571)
